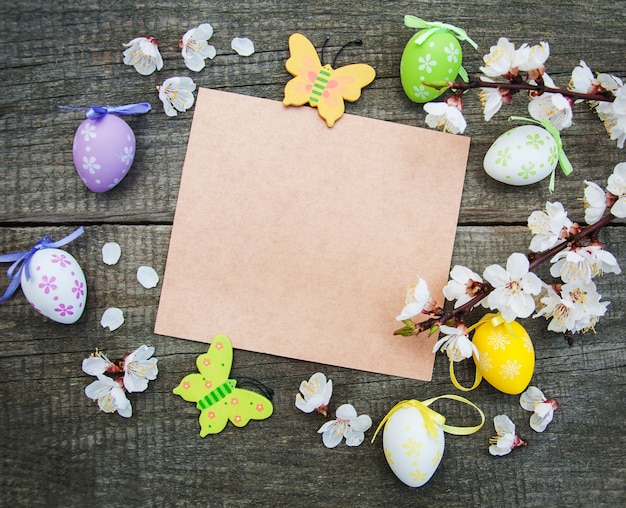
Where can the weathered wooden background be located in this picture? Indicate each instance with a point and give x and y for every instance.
(56, 448)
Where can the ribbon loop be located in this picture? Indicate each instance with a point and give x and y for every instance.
(432, 419)
(21, 260)
(95, 112)
(478, 377)
(435, 26)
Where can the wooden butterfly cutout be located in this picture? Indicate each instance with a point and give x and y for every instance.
(217, 396)
(320, 85)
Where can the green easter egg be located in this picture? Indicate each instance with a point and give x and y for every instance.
(438, 58)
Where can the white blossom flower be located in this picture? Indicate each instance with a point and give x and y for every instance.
(417, 300)
(441, 114)
(571, 265)
(513, 288)
(617, 187)
(548, 227)
(110, 396)
(609, 82)
(176, 94)
(600, 260)
(587, 298)
(507, 439)
(456, 343)
(491, 100)
(582, 263)
(347, 425)
(577, 307)
(499, 61)
(463, 286)
(561, 310)
(543, 409)
(143, 54)
(531, 58)
(595, 202)
(139, 368)
(195, 48)
(613, 114)
(553, 107)
(315, 394)
(582, 80)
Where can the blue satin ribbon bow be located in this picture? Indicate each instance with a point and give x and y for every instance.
(21, 260)
(95, 112)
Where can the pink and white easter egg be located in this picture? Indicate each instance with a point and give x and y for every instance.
(103, 150)
(56, 287)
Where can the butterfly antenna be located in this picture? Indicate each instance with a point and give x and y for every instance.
(323, 48)
(356, 42)
(264, 389)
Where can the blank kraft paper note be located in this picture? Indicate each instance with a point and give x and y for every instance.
(299, 240)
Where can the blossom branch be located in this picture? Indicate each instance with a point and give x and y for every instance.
(522, 85)
(451, 317)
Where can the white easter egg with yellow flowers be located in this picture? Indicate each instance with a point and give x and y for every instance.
(506, 356)
(413, 454)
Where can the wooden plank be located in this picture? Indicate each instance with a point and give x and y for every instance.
(52, 432)
(82, 65)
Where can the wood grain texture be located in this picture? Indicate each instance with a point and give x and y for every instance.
(56, 449)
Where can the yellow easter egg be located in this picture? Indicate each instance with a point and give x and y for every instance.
(506, 356)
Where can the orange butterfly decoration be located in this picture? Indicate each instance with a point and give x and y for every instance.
(321, 86)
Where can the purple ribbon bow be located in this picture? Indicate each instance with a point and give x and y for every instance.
(95, 112)
(21, 259)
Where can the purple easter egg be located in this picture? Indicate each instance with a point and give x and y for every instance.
(104, 149)
(55, 285)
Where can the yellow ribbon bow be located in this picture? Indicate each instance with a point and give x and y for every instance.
(494, 320)
(432, 419)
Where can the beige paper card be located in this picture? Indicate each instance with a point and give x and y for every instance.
(300, 241)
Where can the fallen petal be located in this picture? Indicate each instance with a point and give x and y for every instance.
(147, 276)
(112, 318)
(242, 45)
(111, 253)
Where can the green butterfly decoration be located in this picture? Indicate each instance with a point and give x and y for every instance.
(216, 396)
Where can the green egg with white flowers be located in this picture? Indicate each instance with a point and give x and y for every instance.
(436, 60)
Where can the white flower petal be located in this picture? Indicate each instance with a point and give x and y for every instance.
(531, 397)
(99, 388)
(361, 423)
(112, 318)
(346, 412)
(354, 437)
(126, 411)
(332, 438)
(517, 265)
(619, 208)
(495, 450)
(243, 46)
(147, 276)
(95, 365)
(327, 426)
(503, 425)
(309, 405)
(203, 32)
(111, 252)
